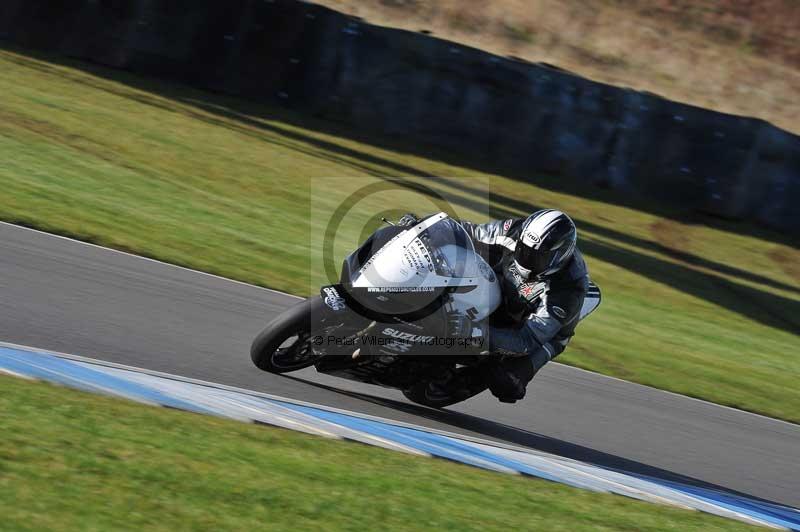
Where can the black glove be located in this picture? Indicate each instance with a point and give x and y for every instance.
(408, 220)
(508, 379)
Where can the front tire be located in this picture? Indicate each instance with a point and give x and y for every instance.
(285, 343)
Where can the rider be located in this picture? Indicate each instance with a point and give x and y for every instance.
(544, 281)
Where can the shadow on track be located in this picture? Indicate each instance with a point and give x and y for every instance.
(532, 440)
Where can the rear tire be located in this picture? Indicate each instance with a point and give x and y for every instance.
(268, 351)
(419, 393)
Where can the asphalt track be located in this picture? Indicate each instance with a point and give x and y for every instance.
(67, 296)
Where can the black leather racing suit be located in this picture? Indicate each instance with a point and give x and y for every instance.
(537, 318)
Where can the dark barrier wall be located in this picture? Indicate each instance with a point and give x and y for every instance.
(532, 117)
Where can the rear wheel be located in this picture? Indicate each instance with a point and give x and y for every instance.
(285, 343)
(424, 394)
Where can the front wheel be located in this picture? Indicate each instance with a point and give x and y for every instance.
(285, 343)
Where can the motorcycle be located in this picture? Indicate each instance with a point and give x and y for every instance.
(401, 316)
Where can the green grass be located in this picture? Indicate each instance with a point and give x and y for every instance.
(245, 191)
(75, 461)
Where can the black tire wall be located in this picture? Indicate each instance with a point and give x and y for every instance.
(529, 117)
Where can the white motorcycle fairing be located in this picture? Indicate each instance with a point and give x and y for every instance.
(436, 253)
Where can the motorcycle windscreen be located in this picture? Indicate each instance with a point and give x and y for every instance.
(410, 273)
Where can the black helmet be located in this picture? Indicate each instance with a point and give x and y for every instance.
(545, 244)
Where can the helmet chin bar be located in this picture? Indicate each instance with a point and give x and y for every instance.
(547, 272)
(524, 272)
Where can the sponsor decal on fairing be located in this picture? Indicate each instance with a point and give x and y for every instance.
(333, 299)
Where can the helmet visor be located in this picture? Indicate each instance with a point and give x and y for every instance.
(535, 260)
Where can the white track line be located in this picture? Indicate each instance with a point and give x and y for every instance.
(15, 374)
(690, 398)
(156, 261)
(242, 283)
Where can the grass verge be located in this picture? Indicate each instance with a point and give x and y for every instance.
(70, 460)
(237, 189)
